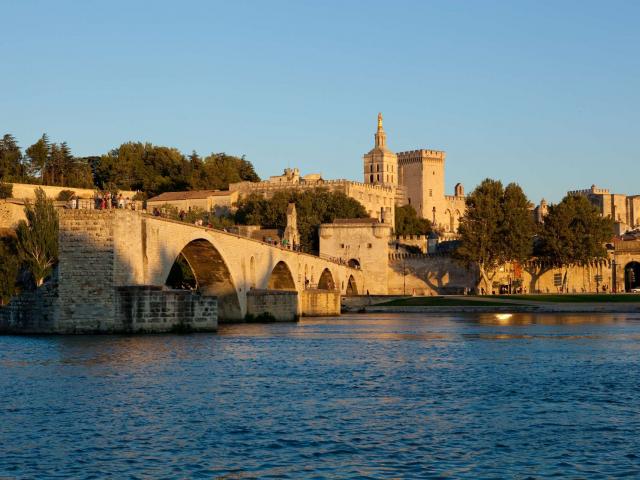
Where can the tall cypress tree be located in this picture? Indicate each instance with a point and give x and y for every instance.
(37, 237)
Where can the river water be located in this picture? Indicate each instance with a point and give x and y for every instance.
(360, 396)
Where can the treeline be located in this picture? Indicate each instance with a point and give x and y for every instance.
(137, 166)
(498, 228)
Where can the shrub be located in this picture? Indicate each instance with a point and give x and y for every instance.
(6, 190)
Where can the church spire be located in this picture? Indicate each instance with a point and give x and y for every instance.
(381, 137)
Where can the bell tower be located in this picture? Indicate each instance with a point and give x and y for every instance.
(381, 164)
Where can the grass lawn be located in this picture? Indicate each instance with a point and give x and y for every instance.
(441, 302)
(578, 298)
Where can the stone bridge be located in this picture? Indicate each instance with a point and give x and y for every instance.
(100, 250)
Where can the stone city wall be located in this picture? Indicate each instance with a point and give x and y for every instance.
(26, 191)
(416, 274)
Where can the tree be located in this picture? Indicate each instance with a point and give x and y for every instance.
(6, 190)
(37, 237)
(497, 228)
(11, 166)
(37, 157)
(143, 166)
(313, 207)
(408, 222)
(573, 233)
(218, 170)
(9, 268)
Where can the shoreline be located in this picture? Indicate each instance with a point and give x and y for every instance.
(542, 308)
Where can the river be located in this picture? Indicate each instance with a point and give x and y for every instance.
(360, 396)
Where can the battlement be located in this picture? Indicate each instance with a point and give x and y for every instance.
(590, 191)
(453, 198)
(415, 156)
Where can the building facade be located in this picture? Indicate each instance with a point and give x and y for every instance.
(623, 209)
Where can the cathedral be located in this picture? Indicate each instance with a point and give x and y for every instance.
(417, 178)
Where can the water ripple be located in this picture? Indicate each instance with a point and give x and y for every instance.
(385, 396)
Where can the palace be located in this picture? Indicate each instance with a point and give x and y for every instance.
(415, 177)
(623, 209)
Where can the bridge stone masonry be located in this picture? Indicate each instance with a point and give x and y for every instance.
(104, 254)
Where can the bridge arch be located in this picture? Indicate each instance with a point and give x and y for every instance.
(281, 278)
(212, 276)
(326, 281)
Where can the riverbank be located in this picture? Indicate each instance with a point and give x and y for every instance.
(493, 304)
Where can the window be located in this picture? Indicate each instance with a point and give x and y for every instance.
(378, 175)
(377, 168)
(430, 193)
(371, 176)
(342, 245)
(369, 245)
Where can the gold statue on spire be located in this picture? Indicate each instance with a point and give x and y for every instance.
(379, 121)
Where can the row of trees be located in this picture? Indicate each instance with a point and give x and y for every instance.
(144, 167)
(498, 228)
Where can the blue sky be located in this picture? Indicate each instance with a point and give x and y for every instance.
(545, 93)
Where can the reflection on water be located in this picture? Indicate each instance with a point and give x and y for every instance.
(373, 396)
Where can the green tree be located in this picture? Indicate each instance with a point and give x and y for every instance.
(9, 268)
(407, 222)
(11, 166)
(143, 166)
(574, 233)
(497, 228)
(37, 237)
(218, 170)
(38, 157)
(6, 190)
(313, 207)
